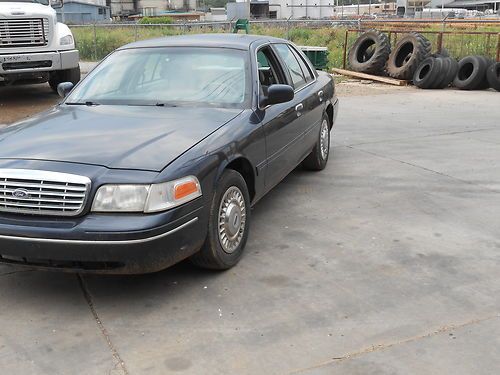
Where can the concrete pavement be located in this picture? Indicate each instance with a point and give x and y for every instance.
(387, 262)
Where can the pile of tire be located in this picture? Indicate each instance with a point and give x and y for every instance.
(477, 73)
(371, 53)
(470, 73)
(411, 59)
(435, 72)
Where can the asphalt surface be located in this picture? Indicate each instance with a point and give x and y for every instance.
(23, 101)
(387, 262)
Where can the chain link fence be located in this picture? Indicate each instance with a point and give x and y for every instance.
(96, 41)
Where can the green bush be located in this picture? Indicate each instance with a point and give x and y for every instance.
(164, 20)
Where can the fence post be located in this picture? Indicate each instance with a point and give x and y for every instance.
(440, 42)
(135, 32)
(498, 48)
(95, 43)
(344, 57)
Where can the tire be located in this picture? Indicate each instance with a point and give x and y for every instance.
(471, 73)
(231, 196)
(444, 53)
(318, 158)
(450, 74)
(408, 54)
(439, 82)
(428, 73)
(370, 52)
(68, 75)
(485, 84)
(493, 76)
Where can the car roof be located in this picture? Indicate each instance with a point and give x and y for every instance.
(236, 41)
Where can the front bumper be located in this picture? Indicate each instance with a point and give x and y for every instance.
(79, 245)
(38, 62)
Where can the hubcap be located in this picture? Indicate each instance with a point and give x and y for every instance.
(324, 140)
(232, 218)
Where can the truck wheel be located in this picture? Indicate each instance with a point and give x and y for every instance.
(370, 52)
(317, 159)
(228, 224)
(68, 75)
(409, 53)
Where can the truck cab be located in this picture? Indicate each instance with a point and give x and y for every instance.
(34, 47)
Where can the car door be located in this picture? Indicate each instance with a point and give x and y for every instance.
(281, 122)
(307, 94)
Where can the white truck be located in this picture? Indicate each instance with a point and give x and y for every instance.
(34, 47)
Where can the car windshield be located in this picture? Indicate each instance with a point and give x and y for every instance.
(43, 2)
(174, 76)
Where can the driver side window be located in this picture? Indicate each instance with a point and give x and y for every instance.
(269, 70)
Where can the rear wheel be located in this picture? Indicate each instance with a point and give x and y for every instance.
(317, 159)
(60, 76)
(228, 226)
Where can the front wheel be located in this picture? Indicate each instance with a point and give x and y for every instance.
(228, 225)
(60, 76)
(317, 159)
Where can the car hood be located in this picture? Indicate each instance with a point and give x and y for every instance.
(125, 137)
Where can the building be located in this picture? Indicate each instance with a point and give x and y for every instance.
(413, 7)
(81, 12)
(126, 8)
(315, 9)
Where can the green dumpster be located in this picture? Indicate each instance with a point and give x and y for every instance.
(241, 24)
(317, 55)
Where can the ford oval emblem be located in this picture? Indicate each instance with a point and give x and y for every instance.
(21, 193)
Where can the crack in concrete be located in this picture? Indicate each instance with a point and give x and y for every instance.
(88, 298)
(13, 272)
(382, 347)
(425, 169)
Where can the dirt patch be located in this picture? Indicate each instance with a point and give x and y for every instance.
(20, 102)
(357, 87)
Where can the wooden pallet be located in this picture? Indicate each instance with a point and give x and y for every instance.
(390, 81)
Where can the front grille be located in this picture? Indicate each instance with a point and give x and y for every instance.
(35, 192)
(27, 65)
(24, 32)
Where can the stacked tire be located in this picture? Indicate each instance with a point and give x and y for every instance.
(435, 72)
(472, 73)
(411, 59)
(493, 76)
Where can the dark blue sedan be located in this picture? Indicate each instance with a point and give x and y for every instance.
(159, 154)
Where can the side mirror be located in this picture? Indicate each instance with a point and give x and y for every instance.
(56, 4)
(64, 88)
(277, 94)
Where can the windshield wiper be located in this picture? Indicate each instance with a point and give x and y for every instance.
(87, 103)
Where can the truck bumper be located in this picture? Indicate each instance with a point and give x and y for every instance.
(38, 62)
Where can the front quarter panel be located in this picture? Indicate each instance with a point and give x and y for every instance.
(242, 137)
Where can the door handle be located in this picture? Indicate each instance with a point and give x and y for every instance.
(299, 107)
(320, 95)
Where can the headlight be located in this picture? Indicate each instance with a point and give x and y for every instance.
(146, 198)
(66, 40)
